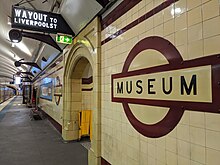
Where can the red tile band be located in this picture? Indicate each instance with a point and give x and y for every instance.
(139, 20)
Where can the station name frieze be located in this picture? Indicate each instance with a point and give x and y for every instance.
(178, 85)
(182, 85)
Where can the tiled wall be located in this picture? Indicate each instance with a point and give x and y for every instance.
(50, 107)
(84, 52)
(195, 31)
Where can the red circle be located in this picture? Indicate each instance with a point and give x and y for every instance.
(169, 122)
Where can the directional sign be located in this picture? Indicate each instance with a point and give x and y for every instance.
(178, 85)
(37, 20)
(64, 39)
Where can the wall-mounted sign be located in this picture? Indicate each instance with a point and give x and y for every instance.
(178, 85)
(64, 39)
(37, 20)
(46, 91)
(57, 90)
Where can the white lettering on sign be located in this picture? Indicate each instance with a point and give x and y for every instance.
(31, 18)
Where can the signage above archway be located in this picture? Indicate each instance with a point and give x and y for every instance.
(177, 85)
(41, 21)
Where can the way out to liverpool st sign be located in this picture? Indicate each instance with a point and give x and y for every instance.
(41, 21)
(177, 85)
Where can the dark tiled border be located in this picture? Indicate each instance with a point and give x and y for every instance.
(120, 10)
(54, 122)
(87, 80)
(84, 89)
(149, 14)
(49, 74)
(104, 162)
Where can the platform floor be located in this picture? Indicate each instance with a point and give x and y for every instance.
(30, 142)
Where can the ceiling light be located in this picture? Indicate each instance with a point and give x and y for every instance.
(23, 48)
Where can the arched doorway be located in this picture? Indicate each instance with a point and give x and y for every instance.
(82, 92)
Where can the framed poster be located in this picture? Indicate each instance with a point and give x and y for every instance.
(46, 91)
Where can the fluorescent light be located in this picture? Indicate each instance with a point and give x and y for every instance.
(23, 48)
(17, 80)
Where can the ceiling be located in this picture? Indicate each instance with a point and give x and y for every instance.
(77, 13)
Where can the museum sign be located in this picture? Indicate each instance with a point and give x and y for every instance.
(178, 85)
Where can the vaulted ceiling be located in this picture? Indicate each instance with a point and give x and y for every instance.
(77, 13)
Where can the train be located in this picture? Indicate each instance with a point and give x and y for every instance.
(6, 93)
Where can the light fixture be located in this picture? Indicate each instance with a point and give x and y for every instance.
(15, 35)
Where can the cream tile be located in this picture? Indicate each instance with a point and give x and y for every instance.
(158, 31)
(211, 27)
(168, 13)
(157, 2)
(183, 148)
(158, 18)
(194, 16)
(183, 49)
(169, 27)
(195, 49)
(173, 133)
(161, 142)
(181, 37)
(183, 160)
(151, 150)
(197, 136)
(204, 1)
(183, 132)
(210, 9)
(143, 146)
(180, 22)
(151, 160)
(171, 158)
(212, 156)
(195, 33)
(192, 4)
(143, 159)
(185, 118)
(158, 162)
(161, 154)
(195, 163)
(171, 144)
(198, 153)
(197, 119)
(212, 121)
(170, 38)
(211, 45)
(212, 139)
